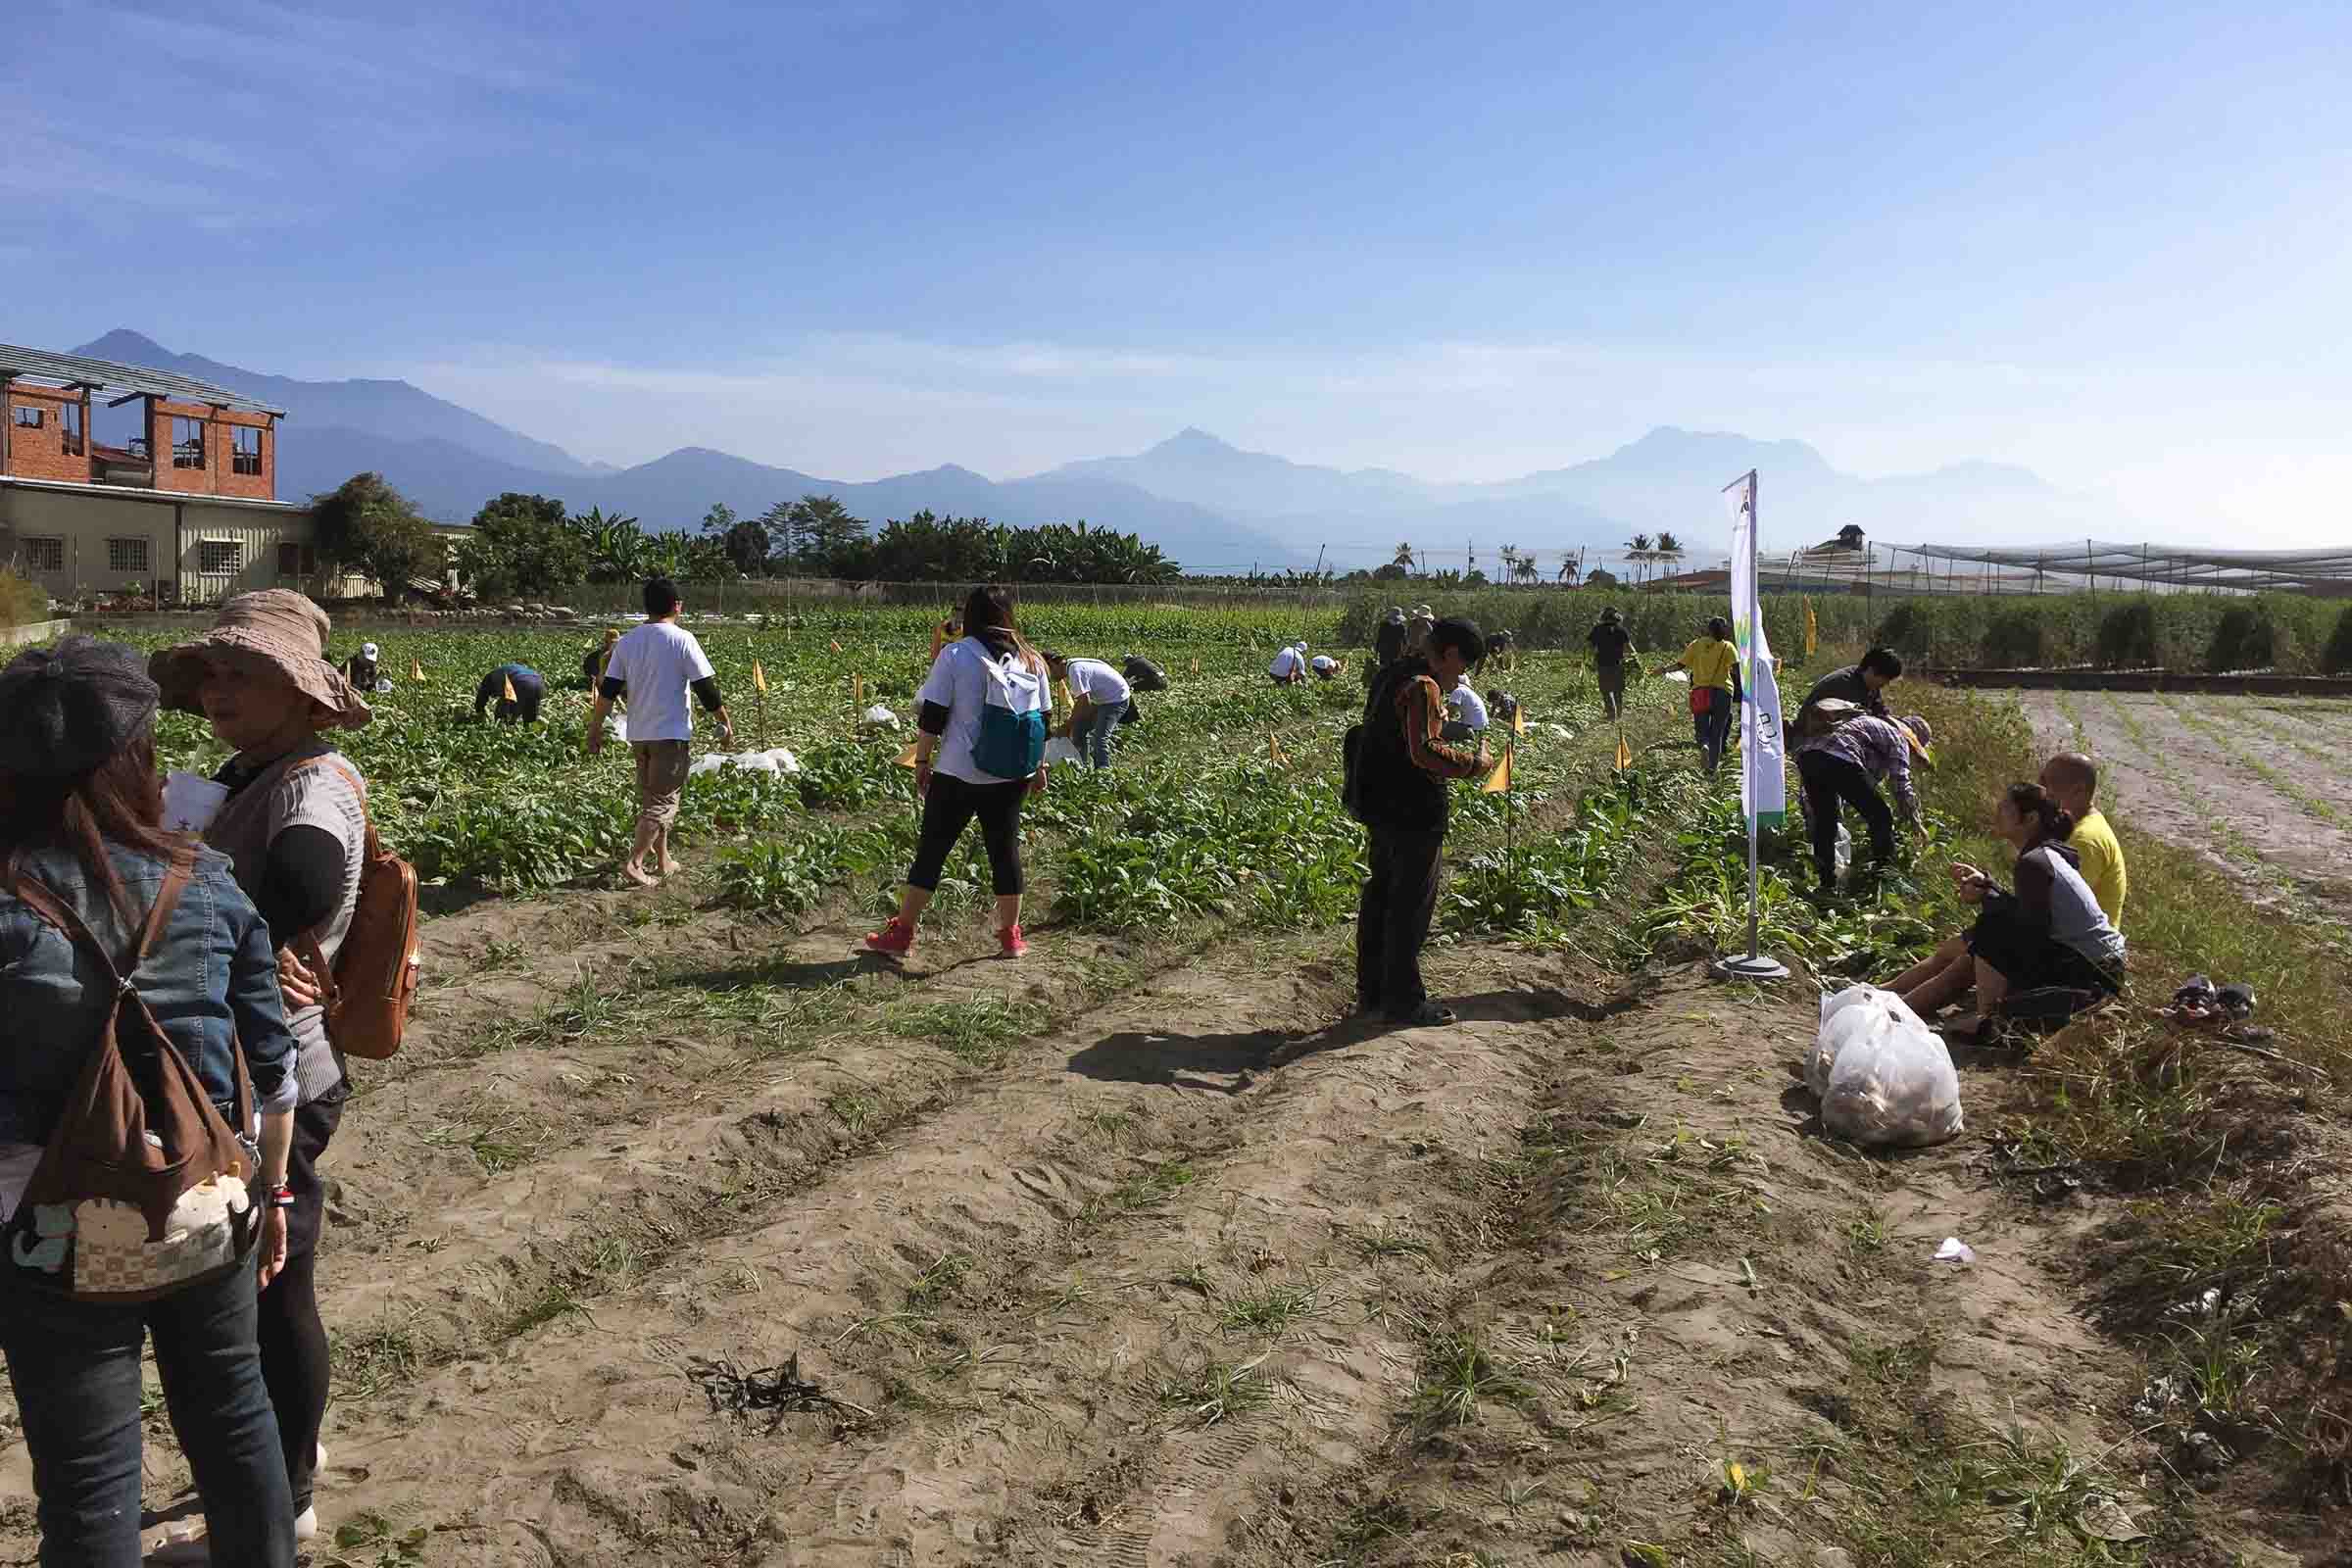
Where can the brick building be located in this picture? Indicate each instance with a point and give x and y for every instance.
(186, 511)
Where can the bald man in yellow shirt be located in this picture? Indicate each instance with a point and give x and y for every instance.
(2073, 780)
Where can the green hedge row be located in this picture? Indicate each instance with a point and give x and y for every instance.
(2290, 633)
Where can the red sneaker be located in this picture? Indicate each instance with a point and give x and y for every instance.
(896, 939)
(1013, 942)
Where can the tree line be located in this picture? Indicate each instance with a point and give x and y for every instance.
(528, 545)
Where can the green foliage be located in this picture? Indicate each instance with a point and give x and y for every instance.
(520, 544)
(2127, 635)
(21, 602)
(2243, 639)
(2337, 656)
(366, 525)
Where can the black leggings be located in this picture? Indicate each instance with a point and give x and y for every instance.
(293, 1339)
(1827, 781)
(949, 806)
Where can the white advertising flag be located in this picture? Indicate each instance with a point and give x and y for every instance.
(1763, 770)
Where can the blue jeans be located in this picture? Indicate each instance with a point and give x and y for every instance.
(75, 1367)
(1093, 738)
(1713, 728)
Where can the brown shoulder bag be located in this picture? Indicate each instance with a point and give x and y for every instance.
(373, 979)
(143, 1188)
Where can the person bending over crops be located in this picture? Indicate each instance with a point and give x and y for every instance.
(516, 689)
(2050, 933)
(979, 748)
(1290, 665)
(1098, 699)
(81, 814)
(1842, 766)
(295, 830)
(2072, 779)
(1325, 667)
(655, 665)
(362, 668)
(1398, 791)
(1465, 711)
(1612, 650)
(1862, 684)
(1713, 663)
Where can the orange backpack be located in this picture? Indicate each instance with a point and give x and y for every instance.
(373, 979)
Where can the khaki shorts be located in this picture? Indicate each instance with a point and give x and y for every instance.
(661, 779)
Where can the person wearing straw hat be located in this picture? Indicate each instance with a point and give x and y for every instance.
(1844, 765)
(294, 827)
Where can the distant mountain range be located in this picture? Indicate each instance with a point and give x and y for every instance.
(1205, 502)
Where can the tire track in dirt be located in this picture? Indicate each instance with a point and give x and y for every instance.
(598, 1409)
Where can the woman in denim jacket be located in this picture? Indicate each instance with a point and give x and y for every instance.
(82, 811)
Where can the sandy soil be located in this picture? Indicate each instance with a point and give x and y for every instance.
(1155, 1284)
(2189, 774)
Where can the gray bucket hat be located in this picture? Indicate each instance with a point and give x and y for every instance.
(65, 709)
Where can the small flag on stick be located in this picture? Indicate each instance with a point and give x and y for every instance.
(1812, 628)
(1498, 781)
(509, 687)
(759, 678)
(416, 670)
(1625, 753)
(1519, 720)
(905, 758)
(858, 689)
(1196, 667)
(1274, 751)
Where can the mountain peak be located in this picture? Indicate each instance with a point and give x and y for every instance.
(126, 346)
(1192, 439)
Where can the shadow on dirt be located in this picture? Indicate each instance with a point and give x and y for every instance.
(1133, 1057)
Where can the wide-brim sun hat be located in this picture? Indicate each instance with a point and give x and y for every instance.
(271, 630)
(65, 709)
(1915, 730)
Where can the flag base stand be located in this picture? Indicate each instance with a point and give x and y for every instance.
(1751, 966)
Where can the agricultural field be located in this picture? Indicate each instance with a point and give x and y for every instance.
(2260, 786)
(681, 1233)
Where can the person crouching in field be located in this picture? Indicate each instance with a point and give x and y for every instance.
(1844, 764)
(983, 719)
(656, 664)
(1098, 698)
(362, 668)
(1326, 667)
(516, 689)
(2050, 934)
(1400, 792)
(1289, 665)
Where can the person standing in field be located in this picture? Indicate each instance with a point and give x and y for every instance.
(295, 830)
(528, 686)
(1098, 698)
(1400, 789)
(1863, 684)
(979, 748)
(1417, 630)
(1612, 650)
(82, 828)
(1713, 663)
(2072, 779)
(655, 665)
(592, 662)
(1844, 765)
(1387, 644)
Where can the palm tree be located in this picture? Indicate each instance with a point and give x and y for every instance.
(1524, 569)
(1403, 557)
(1510, 562)
(1571, 567)
(1637, 551)
(1669, 548)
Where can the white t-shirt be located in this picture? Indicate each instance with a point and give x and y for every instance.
(1473, 708)
(959, 684)
(657, 663)
(1095, 681)
(1290, 662)
(1324, 663)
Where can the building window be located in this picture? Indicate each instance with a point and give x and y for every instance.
(188, 443)
(28, 418)
(297, 560)
(218, 557)
(69, 419)
(246, 455)
(127, 554)
(45, 555)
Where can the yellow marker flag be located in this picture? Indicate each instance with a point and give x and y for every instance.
(1519, 720)
(416, 670)
(510, 688)
(1625, 753)
(905, 758)
(1812, 628)
(1274, 751)
(1196, 667)
(759, 678)
(1500, 779)
(857, 688)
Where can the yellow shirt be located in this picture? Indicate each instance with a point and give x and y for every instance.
(1710, 662)
(2102, 864)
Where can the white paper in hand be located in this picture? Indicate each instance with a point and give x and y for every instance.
(190, 802)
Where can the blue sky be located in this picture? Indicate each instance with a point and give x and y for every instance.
(1466, 240)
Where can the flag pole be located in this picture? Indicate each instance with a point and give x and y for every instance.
(1753, 965)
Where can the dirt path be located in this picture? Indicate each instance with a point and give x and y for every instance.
(2251, 804)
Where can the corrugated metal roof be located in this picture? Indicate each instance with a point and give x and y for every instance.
(72, 369)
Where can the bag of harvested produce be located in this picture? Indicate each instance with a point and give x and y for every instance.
(1882, 1074)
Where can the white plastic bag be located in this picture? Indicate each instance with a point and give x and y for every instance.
(1062, 748)
(879, 715)
(1883, 1075)
(777, 761)
(1844, 852)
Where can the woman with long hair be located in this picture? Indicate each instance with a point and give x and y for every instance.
(2050, 933)
(82, 816)
(294, 827)
(978, 749)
